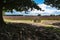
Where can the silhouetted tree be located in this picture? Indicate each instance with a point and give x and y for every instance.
(53, 3)
(39, 14)
(52, 15)
(18, 5)
(58, 15)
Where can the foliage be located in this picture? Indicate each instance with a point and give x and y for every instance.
(52, 15)
(39, 15)
(14, 31)
(19, 5)
(53, 3)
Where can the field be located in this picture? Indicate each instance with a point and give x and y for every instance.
(23, 30)
(33, 17)
(40, 21)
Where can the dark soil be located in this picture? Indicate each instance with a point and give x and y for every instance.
(20, 31)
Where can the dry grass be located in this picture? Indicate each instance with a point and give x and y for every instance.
(31, 22)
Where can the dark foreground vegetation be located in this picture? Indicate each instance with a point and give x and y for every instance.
(20, 31)
(56, 24)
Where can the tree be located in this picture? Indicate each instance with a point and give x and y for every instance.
(53, 3)
(39, 15)
(52, 15)
(19, 5)
(58, 15)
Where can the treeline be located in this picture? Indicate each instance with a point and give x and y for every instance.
(12, 15)
(31, 15)
(48, 15)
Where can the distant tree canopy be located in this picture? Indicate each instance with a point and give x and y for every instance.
(53, 3)
(39, 15)
(52, 15)
(19, 5)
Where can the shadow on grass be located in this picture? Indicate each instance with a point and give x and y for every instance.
(20, 31)
(57, 24)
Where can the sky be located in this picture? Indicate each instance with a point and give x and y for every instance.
(48, 10)
(39, 1)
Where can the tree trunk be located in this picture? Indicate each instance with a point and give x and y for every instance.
(1, 19)
(2, 23)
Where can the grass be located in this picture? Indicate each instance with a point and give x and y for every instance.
(39, 23)
(17, 21)
(14, 31)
